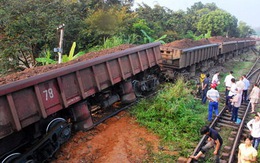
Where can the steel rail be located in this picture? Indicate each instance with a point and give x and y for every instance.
(217, 122)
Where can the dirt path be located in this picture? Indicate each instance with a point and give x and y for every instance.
(119, 139)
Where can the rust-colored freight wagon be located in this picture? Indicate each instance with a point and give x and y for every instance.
(240, 45)
(249, 43)
(227, 47)
(182, 58)
(25, 102)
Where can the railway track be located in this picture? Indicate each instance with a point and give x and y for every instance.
(230, 132)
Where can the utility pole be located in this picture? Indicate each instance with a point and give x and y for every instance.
(59, 49)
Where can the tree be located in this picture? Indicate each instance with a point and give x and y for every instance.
(29, 26)
(178, 23)
(160, 20)
(106, 23)
(195, 13)
(218, 22)
(244, 29)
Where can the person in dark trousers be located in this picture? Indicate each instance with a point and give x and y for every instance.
(231, 93)
(227, 82)
(214, 140)
(245, 91)
(205, 88)
(236, 103)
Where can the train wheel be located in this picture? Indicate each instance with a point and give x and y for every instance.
(53, 123)
(64, 130)
(137, 90)
(10, 158)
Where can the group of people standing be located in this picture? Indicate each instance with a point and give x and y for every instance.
(236, 93)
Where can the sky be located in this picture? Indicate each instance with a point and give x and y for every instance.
(247, 11)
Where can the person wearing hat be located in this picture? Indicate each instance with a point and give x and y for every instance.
(213, 97)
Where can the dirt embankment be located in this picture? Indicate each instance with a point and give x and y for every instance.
(119, 139)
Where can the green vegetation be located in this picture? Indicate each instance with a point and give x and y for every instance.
(150, 39)
(29, 26)
(108, 43)
(66, 58)
(218, 22)
(175, 116)
(46, 59)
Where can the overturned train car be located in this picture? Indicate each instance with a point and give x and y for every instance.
(38, 114)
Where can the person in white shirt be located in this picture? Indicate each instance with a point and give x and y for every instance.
(215, 79)
(254, 126)
(213, 97)
(236, 103)
(240, 84)
(231, 93)
(227, 82)
(245, 91)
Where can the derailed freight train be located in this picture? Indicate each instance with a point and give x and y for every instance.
(38, 114)
(185, 60)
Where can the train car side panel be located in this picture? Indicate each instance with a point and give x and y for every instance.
(151, 57)
(192, 59)
(126, 66)
(102, 74)
(115, 69)
(6, 124)
(89, 82)
(50, 96)
(27, 106)
(144, 59)
(135, 62)
(69, 87)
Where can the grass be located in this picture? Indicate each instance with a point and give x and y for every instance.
(175, 116)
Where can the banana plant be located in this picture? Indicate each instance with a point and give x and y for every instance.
(47, 59)
(66, 58)
(150, 39)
